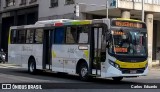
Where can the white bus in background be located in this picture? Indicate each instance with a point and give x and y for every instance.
(101, 48)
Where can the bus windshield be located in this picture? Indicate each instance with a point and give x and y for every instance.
(130, 42)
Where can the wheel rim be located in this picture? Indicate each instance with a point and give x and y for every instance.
(31, 67)
(84, 71)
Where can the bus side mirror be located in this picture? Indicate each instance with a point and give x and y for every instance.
(107, 44)
(108, 38)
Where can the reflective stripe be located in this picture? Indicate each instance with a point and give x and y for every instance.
(86, 53)
(54, 54)
(9, 37)
(131, 65)
(84, 22)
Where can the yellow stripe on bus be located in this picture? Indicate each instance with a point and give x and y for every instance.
(9, 37)
(54, 54)
(131, 65)
(86, 53)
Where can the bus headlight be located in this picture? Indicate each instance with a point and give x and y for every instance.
(114, 64)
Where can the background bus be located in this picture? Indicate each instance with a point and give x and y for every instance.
(101, 48)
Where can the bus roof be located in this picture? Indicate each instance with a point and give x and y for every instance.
(57, 22)
(51, 21)
(65, 22)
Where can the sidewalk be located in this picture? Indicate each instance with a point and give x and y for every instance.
(155, 67)
(6, 65)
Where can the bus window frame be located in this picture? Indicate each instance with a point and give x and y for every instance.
(116, 27)
(11, 36)
(34, 29)
(52, 28)
(53, 42)
(65, 27)
(17, 35)
(35, 36)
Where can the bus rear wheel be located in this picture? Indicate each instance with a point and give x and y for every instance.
(83, 72)
(117, 79)
(32, 66)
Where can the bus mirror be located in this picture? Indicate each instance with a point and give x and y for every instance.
(107, 44)
(108, 37)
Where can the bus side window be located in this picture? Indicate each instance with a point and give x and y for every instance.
(59, 35)
(83, 34)
(21, 36)
(38, 36)
(13, 36)
(29, 36)
(71, 35)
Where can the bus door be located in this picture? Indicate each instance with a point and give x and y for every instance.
(47, 49)
(97, 53)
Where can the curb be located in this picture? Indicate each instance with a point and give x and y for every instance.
(1, 64)
(154, 69)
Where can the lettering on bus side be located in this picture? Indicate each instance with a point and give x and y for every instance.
(24, 48)
(72, 50)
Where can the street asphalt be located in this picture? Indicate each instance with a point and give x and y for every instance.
(15, 74)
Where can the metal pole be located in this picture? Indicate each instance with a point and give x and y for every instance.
(107, 9)
(77, 11)
(143, 10)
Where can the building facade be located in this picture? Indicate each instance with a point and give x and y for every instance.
(33, 10)
(14, 13)
(94, 9)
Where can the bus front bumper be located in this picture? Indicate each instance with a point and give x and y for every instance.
(114, 72)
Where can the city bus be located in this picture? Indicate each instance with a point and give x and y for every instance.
(102, 48)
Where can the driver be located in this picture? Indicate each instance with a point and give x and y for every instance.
(125, 42)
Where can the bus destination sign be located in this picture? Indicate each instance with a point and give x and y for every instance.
(128, 24)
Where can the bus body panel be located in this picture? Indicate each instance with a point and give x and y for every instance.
(105, 65)
(66, 57)
(113, 72)
(20, 54)
(14, 54)
(107, 70)
(38, 55)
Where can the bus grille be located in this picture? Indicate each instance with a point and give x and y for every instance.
(130, 71)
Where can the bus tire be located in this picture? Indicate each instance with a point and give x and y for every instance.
(117, 79)
(32, 66)
(83, 72)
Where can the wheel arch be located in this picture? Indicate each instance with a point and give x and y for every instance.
(31, 57)
(80, 61)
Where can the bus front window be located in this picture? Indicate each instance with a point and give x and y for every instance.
(128, 42)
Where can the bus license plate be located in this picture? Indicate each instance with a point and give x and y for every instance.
(133, 71)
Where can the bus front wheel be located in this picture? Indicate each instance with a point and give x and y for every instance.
(117, 78)
(32, 66)
(83, 72)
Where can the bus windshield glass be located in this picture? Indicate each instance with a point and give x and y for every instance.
(130, 42)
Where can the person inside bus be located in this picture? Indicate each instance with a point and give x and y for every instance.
(124, 41)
